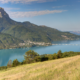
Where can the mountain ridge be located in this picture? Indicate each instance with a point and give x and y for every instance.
(75, 32)
(29, 32)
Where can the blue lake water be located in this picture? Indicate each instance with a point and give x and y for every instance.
(11, 54)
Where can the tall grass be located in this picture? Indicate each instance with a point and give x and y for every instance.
(59, 69)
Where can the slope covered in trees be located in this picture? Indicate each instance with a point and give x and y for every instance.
(8, 41)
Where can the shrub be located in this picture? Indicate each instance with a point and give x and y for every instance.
(15, 63)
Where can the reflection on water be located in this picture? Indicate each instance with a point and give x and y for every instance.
(11, 54)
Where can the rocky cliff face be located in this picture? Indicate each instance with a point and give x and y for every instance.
(3, 14)
(5, 21)
(0, 15)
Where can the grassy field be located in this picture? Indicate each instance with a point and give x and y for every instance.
(59, 69)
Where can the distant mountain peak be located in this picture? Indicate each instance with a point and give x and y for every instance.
(3, 13)
(1, 8)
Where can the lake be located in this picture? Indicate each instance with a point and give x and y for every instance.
(11, 54)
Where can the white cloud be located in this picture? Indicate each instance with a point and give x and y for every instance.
(8, 9)
(33, 13)
(23, 1)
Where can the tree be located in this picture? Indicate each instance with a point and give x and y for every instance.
(55, 56)
(50, 56)
(59, 54)
(37, 59)
(15, 63)
(30, 56)
(9, 64)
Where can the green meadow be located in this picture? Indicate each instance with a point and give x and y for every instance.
(59, 69)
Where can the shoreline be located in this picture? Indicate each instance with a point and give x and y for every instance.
(48, 44)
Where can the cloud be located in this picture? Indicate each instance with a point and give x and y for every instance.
(33, 13)
(23, 1)
(8, 9)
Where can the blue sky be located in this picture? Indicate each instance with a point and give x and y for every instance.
(63, 15)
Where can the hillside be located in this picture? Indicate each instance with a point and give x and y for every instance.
(38, 33)
(60, 69)
(27, 31)
(8, 41)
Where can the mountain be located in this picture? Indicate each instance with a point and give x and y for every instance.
(75, 32)
(31, 33)
(5, 21)
(8, 41)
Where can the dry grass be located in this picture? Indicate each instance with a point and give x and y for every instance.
(60, 69)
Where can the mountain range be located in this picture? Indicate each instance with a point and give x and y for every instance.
(20, 34)
(75, 32)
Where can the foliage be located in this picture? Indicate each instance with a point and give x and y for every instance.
(59, 54)
(15, 63)
(37, 59)
(49, 56)
(7, 41)
(3, 68)
(9, 65)
(55, 56)
(30, 56)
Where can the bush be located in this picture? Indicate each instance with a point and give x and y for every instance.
(37, 59)
(15, 63)
(55, 56)
(31, 56)
(3, 68)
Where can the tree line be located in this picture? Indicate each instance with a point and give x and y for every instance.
(32, 57)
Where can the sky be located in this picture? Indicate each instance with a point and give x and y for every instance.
(63, 15)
